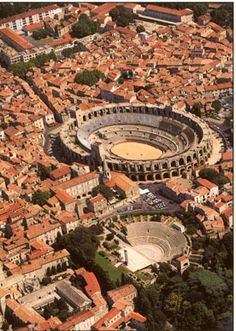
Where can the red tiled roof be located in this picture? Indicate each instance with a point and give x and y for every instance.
(60, 172)
(169, 11)
(22, 42)
(77, 180)
(34, 26)
(206, 183)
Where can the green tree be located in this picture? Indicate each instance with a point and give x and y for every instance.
(199, 9)
(46, 280)
(223, 15)
(89, 78)
(4, 125)
(121, 16)
(109, 236)
(104, 190)
(140, 28)
(39, 34)
(21, 68)
(172, 303)
(40, 197)
(63, 315)
(213, 176)
(44, 172)
(216, 105)
(67, 52)
(212, 284)
(85, 27)
(81, 243)
(196, 109)
(197, 317)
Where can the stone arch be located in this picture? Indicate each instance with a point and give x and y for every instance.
(95, 114)
(149, 177)
(132, 167)
(194, 156)
(164, 165)
(200, 152)
(181, 161)
(133, 177)
(142, 178)
(156, 166)
(158, 177)
(173, 164)
(189, 159)
(202, 162)
(182, 171)
(89, 116)
(140, 167)
(174, 173)
(166, 175)
(84, 118)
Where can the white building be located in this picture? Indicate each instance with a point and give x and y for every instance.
(17, 22)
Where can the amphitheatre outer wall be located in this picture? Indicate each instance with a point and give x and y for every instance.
(198, 148)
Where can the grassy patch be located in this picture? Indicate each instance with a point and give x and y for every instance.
(105, 264)
(143, 276)
(43, 40)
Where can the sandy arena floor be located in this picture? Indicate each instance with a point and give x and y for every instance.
(136, 151)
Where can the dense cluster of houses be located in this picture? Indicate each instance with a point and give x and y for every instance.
(178, 64)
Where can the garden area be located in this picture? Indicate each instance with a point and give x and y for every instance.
(113, 272)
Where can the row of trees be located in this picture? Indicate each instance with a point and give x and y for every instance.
(21, 68)
(68, 52)
(214, 176)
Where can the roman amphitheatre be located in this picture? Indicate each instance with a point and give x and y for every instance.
(145, 142)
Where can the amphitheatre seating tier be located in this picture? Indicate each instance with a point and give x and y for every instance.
(190, 135)
(169, 240)
(171, 127)
(138, 126)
